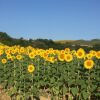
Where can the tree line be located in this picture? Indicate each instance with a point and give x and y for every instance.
(48, 43)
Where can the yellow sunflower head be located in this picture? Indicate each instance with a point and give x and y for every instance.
(88, 64)
(93, 52)
(51, 59)
(98, 54)
(4, 61)
(31, 55)
(19, 57)
(67, 50)
(89, 56)
(8, 56)
(1, 52)
(31, 68)
(68, 57)
(22, 50)
(61, 56)
(80, 53)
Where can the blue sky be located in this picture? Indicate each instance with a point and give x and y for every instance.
(51, 19)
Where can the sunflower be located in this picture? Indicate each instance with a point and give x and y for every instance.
(68, 57)
(13, 51)
(1, 52)
(98, 54)
(31, 68)
(51, 59)
(67, 50)
(80, 53)
(73, 52)
(8, 51)
(19, 57)
(61, 56)
(31, 55)
(4, 61)
(22, 50)
(8, 56)
(89, 56)
(44, 55)
(93, 52)
(88, 64)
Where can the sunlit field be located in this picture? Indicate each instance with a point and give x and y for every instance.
(27, 72)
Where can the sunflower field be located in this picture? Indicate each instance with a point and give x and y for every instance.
(27, 72)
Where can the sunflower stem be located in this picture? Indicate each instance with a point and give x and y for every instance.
(89, 79)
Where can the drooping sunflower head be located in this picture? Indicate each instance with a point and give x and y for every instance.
(88, 64)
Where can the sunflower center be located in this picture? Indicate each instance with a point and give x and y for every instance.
(62, 56)
(98, 54)
(89, 63)
(80, 53)
(31, 68)
(68, 57)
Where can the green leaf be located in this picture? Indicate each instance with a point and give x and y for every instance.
(74, 90)
(85, 95)
(65, 90)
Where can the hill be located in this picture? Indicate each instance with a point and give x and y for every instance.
(45, 43)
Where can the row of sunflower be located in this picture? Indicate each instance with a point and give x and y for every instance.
(60, 74)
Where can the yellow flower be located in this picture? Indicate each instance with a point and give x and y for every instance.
(68, 57)
(1, 52)
(93, 52)
(31, 55)
(31, 68)
(89, 56)
(67, 50)
(73, 52)
(88, 64)
(12, 58)
(4, 61)
(51, 59)
(8, 56)
(22, 50)
(45, 55)
(19, 57)
(80, 53)
(62, 51)
(13, 51)
(7, 51)
(98, 54)
(61, 56)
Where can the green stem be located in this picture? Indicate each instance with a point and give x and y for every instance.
(14, 74)
(89, 79)
(78, 79)
(32, 87)
(4, 76)
(20, 75)
(23, 80)
(38, 72)
(68, 85)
